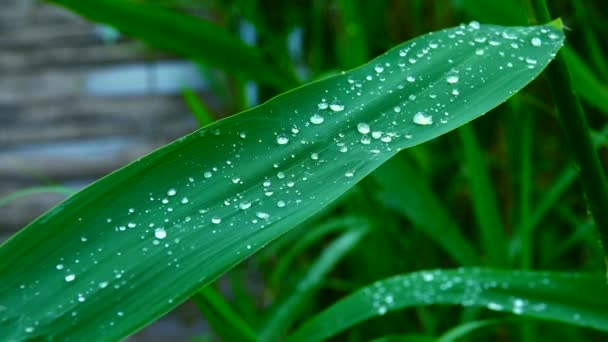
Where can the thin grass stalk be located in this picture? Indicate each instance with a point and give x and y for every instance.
(576, 129)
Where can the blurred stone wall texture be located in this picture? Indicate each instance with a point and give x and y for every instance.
(78, 101)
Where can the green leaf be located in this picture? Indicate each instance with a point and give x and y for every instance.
(182, 34)
(286, 312)
(417, 201)
(578, 299)
(135, 244)
(225, 322)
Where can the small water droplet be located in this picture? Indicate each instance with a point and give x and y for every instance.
(70, 277)
(479, 52)
(363, 128)
(474, 25)
(323, 104)
(207, 174)
(336, 107)
(171, 192)
(281, 204)
(379, 68)
(236, 180)
(59, 266)
(423, 119)
(382, 310)
(280, 175)
(349, 174)
(216, 220)
(316, 119)
(243, 135)
(536, 41)
(411, 79)
(396, 109)
(262, 215)
(282, 139)
(452, 78)
(160, 233)
(185, 200)
(245, 205)
(314, 156)
(29, 330)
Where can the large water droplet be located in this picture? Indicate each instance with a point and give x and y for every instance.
(336, 107)
(452, 78)
(536, 41)
(316, 119)
(423, 119)
(282, 139)
(262, 215)
(363, 128)
(160, 233)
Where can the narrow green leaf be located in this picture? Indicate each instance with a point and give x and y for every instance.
(577, 299)
(493, 238)
(200, 112)
(182, 34)
(135, 244)
(417, 201)
(225, 322)
(35, 190)
(467, 328)
(286, 312)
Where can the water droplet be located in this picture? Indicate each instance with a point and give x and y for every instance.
(280, 175)
(536, 41)
(171, 192)
(236, 180)
(262, 215)
(29, 329)
(455, 92)
(365, 140)
(70, 277)
(479, 52)
(382, 310)
(207, 174)
(243, 135)
(363, 128)
(103, 284)
(495, 306)
(427, 276)
(379, 68)
(396, 109)
(185, 200)
(314, 156)
(281, 204)
(336, 107)
(216, 220)
(160, 233)
(323, 105)
(423, 119)
(59, 266)
(349, 174)
(452, 78)
(317, 119)
(245, 205)
(282, 139)
(474, 25)
(411, 79)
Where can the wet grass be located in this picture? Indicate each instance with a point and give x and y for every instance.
(503, 192)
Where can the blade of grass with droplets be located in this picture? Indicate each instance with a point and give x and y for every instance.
(578, 299)
(135, 244)
(183, 34)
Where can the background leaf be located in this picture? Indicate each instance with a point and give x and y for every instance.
(573, 298)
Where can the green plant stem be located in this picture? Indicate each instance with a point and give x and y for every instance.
(576, 130)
